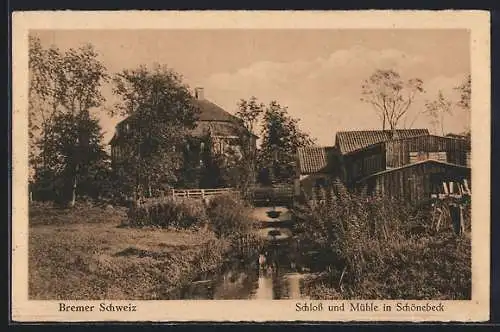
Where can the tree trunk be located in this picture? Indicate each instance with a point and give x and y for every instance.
(73, 189)
(442, 124)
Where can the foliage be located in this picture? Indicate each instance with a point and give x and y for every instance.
(465, 93)
(465, 99)
(379, 248)
(437, 109)
(281, 137)
(74, 152)
(250, 111)
(232, 167)
(160, 111)
(64, 139)
(391, 96)
(168, 212)
(229, 216)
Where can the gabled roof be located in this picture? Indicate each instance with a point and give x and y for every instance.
(416, 164)
(212, 112)
(421, 140)
(209, 112)
(314, 159)
(348, 141)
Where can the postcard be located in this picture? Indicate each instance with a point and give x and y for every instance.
(250, 166)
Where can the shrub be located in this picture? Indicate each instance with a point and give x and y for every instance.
(229, 216)
(374, 250)
(168, 212)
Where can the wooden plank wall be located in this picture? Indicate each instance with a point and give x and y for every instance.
(414, 183)
(398, 152)
(356, 167)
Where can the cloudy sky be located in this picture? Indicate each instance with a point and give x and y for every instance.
(316, 73)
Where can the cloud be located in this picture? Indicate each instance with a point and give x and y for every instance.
(323, 92)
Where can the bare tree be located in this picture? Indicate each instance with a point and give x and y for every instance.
(391, 96)
(437, 109)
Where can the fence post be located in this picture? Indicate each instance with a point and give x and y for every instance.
(202, 193)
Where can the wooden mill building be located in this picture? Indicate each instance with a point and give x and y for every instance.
(406, 163)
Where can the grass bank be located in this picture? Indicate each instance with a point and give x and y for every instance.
(85, 253)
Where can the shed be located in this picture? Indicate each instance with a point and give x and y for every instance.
(414, 182)
(317, 165)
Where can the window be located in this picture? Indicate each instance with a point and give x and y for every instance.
(416, 156)
(421, 155)
(439, 156)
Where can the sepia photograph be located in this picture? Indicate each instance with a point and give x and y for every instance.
(328, 166)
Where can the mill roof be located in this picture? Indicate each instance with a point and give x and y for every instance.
(313, 159)
(348, 141)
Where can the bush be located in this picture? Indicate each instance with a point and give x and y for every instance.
(229, 216)
(373, 249)
(168, 212)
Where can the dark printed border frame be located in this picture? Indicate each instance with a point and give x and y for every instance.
(22, 5)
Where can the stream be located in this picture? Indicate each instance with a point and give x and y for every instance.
(278, 279)
(247, 282)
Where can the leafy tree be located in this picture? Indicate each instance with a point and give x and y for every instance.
(64, 87)
(465, 98)
(43, 102)
(391, 96)
(281, 137)
(437, 109)
(160, 112)
(75, 166)
(250, 112)
(465, 93)
(227, 168)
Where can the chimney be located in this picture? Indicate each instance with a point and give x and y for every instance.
(198, 93)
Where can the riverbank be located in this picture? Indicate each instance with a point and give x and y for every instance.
(86, 253)
(381, 248)
(428, 268)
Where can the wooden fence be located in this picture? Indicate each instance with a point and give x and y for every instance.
(202, 193)
(259, 195)
(276, 194)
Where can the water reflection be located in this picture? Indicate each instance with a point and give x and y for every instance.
(264, 289)
(246, 282)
